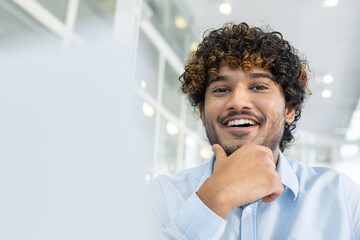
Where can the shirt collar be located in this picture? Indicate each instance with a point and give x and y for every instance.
(286, 172)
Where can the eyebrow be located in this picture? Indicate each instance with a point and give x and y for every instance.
(251, 75)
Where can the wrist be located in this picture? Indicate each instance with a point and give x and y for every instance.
(215, 200)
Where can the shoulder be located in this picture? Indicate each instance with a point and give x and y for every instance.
(325, 178)
(327, 188)
(304, 171)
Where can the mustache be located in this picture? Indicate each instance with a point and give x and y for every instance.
(259, 118)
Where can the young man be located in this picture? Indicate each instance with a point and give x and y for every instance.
(249, 86)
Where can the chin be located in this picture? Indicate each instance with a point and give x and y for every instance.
(230, 149)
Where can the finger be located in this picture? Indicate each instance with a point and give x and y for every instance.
(219, 152)
(269, 198)
(274, 195)
(267, 149)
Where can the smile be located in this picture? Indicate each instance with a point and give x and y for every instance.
(241, 123)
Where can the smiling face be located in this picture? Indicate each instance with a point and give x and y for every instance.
(244, 107)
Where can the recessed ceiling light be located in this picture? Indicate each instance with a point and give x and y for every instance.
(190, 142)
(194, 46)
(171, 128)
(328, 79)
(326, 94)
(147, 178)
(225, 8)
(148, 110)
(205, 153)
(329, 3)
(180, 22)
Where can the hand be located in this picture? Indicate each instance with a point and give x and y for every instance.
(246, 175)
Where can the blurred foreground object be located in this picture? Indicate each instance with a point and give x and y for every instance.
(71, 145)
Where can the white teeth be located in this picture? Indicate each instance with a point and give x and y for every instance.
(240, 122)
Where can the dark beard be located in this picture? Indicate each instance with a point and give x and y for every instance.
(272, 140)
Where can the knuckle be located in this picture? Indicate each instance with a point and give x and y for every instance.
(274, 182)
(264, 153)
(269, 164)
(268, 150)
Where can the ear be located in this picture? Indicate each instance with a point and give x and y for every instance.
(202, 114)
(289, 114)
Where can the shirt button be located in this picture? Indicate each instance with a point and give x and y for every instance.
(248, 210)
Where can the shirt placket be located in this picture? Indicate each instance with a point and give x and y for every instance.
(248, 222)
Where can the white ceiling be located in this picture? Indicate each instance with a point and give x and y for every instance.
(329, 37)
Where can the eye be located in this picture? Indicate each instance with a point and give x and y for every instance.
(221, 90)
(259, 87)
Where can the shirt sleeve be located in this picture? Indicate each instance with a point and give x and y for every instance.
(179, 218)
(352, 190)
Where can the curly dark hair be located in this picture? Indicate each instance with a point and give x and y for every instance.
(240, 45)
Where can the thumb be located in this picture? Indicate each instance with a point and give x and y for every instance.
(219, 152)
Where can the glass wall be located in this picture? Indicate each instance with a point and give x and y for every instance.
(165, 42)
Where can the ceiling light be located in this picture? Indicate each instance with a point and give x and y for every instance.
(190, 142)
(143, 84)
(349, 150)
(205, 153)
(180, 22)
(326, 94)
(147, 178)
(148, 110)
(171, 128)
(225, 8)
(329, 3)
(194, 46)
(328, 79)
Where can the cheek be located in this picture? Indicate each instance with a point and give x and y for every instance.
(272, 106)
(213, 108)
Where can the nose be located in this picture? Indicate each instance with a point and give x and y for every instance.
(239, 99)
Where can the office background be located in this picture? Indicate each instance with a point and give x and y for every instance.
(83, 58)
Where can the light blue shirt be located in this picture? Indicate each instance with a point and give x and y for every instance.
(317, 203)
